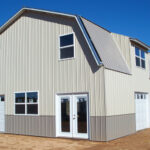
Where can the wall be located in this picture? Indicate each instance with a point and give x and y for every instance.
(120, 90)
(123, 42)
(29, 62)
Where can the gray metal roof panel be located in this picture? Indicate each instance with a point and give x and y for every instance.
(106, 47)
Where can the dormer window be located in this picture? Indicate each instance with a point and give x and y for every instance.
(140, 57)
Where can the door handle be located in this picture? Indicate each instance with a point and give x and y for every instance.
(74, 117)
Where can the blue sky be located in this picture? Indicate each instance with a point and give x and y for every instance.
(128, 17)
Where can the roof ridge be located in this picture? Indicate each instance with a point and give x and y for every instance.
(95, 24)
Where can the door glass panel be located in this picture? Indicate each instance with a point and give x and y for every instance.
(65, 115)
(82, 115)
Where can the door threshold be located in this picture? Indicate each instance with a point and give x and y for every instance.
(74, 138)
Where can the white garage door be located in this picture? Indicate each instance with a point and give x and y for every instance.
(142, 111)
(2, 115)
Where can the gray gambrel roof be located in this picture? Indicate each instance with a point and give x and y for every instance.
(106, 47)
(103, 48)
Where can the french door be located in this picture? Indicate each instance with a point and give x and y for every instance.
(72, 116)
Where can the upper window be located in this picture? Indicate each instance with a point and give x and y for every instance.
(140, 57)
(67, 46)
(26, 103)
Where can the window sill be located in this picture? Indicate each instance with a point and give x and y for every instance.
(141, 68)
(72, 58)
(26, 114)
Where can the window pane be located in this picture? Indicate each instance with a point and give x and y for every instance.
(66, 40)
(82, 115)
(142, 63)
(32, 97)
(67, 52)
(2, 98)
(32, 109)
(20, 109)
(65, 115)
(137, 61)
(20, 97)
(142, 54)
(137, 51)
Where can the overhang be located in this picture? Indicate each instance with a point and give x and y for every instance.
(140, 43)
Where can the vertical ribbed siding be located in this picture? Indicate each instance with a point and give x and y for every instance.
(119, 126)
(123, 44)
(30, 50)
(31, 125)
(119, 93)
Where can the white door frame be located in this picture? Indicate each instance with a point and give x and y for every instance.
(3, 128)
(73, 123)
(147, 110)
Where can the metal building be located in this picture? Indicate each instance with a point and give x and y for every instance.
(63, 76)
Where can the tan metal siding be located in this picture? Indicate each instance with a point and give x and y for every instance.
(119, 93)
(120, 88)
(123, 43)
(141, 77)
(30, 51)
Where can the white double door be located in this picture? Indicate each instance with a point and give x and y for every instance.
(72, 116)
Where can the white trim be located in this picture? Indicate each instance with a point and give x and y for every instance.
(4, 109)
(140, 57)
(146, 95)
(73, 110)
(72, 45)
(25, 103)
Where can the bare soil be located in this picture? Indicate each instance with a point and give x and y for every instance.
(138, 141)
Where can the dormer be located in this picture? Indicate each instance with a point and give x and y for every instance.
(140, 52)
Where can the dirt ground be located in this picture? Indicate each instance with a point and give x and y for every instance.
(138, 141)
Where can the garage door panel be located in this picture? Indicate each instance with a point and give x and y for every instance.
(2, 114)
(142, 112)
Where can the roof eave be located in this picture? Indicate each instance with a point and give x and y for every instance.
(17, 15)
(140, 43)
(12, 19)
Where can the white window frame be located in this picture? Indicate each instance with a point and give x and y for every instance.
(26, 103)
(140, 57)
(72, 45)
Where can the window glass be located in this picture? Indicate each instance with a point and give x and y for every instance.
(26, 103)
(142, 54)
(66, 40)
(32, 109)
(20, 97)
(140, 58)
(2, 98)
(137, 61)
(32, 97)
(137, 52)
(20, 109)
(142, 63)
(66, 46)
(67, 52)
